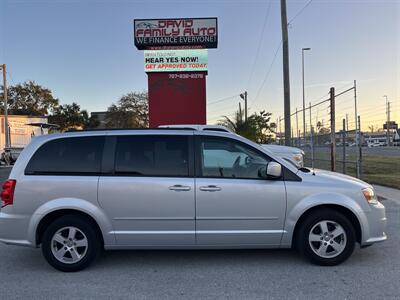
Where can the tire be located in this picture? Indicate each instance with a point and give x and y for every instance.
(326, 237)
(71, 243)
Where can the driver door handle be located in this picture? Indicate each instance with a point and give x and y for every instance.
(179, 188)
(210, 188)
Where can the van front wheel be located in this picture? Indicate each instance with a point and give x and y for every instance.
(326, 237)
(70, 243)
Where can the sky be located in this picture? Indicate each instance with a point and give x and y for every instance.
(84, 52)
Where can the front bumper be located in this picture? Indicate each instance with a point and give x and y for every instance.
(374, 230)
(14, 229)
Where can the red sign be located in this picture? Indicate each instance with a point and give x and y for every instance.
(177, 98)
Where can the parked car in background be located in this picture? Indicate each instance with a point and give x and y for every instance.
(10, 155)
(291, 154)
(372, 144)
(77, 193)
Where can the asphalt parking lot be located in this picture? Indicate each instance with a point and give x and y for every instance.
(371, 273)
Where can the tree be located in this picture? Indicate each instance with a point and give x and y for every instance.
(70, 116)
(319, 125)
(89, 122)
(257, 127)
(131, 111)
(323, 134)
(29, 98)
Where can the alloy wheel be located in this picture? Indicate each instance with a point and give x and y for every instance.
(69, 245)
(327, 239)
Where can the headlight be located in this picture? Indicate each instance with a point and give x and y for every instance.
(370, 195)
(298, 157)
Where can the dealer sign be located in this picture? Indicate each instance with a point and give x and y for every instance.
(175, 60)
(176, 33)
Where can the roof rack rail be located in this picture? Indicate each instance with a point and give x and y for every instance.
(197, 127)
(127, 129)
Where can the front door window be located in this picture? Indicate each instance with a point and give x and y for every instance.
(221, 158)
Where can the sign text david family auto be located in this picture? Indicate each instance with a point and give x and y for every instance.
(201, 32)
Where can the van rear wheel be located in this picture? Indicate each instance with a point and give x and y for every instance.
(70, 243)
(326, 237)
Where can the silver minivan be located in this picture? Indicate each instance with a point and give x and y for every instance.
(77, 193)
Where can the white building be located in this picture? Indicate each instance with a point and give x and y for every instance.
(20, 132)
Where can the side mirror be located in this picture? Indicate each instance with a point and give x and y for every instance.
(274, 170)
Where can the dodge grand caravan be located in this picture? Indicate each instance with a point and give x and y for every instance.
(76, 193)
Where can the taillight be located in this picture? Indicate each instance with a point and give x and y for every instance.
(7, 194)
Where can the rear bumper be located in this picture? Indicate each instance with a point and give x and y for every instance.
(14, 229)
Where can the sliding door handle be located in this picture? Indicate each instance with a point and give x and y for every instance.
(179, 188)
(210, 188)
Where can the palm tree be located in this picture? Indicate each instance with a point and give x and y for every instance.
(257, 127)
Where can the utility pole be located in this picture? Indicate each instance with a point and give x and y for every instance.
(304, 97)
(387, 121)
(286, 83)
(5, 94)
(333, 133)
(311, 141)
(297, 127)
(344, 146)
(357, 131)
(388, 126)
(292, 135)
(359, 151)
(244, 97)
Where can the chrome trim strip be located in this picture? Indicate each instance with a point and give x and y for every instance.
(153, 218)
(237, 218)
(239, 231)
(153, 232)
(197, 232)
(189, 218)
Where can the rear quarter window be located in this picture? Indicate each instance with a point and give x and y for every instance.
(69, 156)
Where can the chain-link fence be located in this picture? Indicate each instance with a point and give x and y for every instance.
(328, 132)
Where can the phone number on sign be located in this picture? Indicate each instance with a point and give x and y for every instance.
(185, 76)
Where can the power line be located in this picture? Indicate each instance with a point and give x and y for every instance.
(259, 44)
(225, 108)
(269, 71)
(299, 12)
(11, 78)
(223, 99)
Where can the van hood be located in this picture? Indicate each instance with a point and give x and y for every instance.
(334, 176)
(282, 149)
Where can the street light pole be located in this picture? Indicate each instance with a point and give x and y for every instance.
(244, 97)
(304, 98)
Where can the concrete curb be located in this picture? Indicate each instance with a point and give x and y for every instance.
(387, 193)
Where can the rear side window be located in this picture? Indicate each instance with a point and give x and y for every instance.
(68, 156)
(152, 156)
